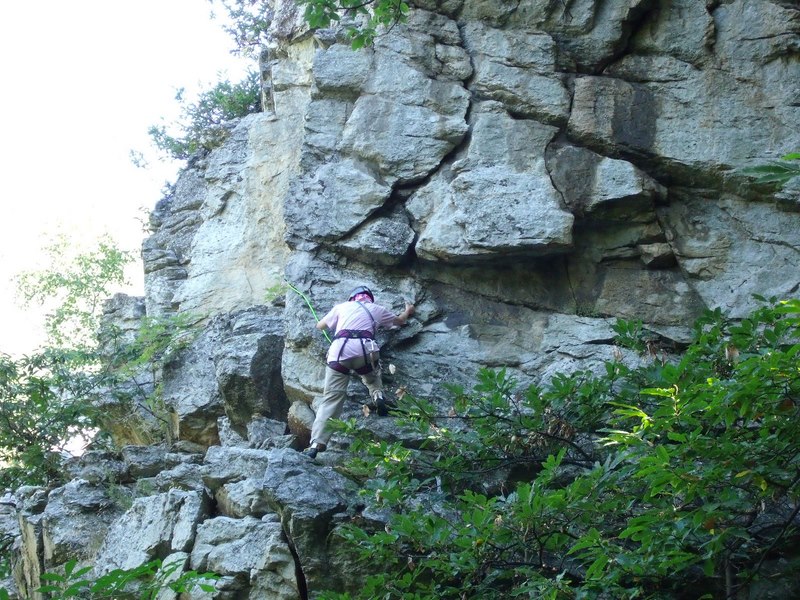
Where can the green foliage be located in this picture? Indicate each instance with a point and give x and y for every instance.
(777, 172)
(248, 22)
(203, 124)
(7, 541)
(630, 334)
(42, 403)
(49, 397)
(45, 398)
(128, 359)
(633, 483)
(274, 292)
(74, 288)
(157, 340)
(141, 583)
(364, 16)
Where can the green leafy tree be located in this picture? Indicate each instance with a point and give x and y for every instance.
(204, 123)
(46, 397)
(43, 403)
(635, 483)
(363, 20)
(247, 22)
(51, 396)
(73, 288)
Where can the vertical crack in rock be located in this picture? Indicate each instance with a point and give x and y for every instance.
(548, 167)
(570, 284)
(637, 17)
(302, 586)
(392, 220)
(711, 40)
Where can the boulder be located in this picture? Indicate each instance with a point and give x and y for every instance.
(154, 527)
(232, 367)
(252, 553)
(307, 497)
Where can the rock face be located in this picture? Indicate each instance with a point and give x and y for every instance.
(232, 368)
(524, 172)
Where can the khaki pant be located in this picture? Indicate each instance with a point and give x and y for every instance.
(335, 393)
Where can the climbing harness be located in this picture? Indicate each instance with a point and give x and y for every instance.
(369, 349)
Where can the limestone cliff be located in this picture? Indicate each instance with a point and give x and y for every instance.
(522, 173)
(525, 172)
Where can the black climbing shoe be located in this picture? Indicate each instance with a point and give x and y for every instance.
(311, 452)
(380, 404)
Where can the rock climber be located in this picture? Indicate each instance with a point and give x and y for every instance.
(353, 350)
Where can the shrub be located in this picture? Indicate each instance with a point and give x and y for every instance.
(250, 19)
(73, 289)
(49, 397)
(204, 124)
(637, 483)
(364, 18)
(146, 582)
(248, 22)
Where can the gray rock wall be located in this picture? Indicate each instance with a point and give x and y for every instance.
(524, 172)
(557, 162)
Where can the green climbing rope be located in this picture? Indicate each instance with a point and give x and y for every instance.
(308, 302)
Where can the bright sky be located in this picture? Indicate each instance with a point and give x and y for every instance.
(82, 82)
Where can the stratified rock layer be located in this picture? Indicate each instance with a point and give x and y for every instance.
(524, 172)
